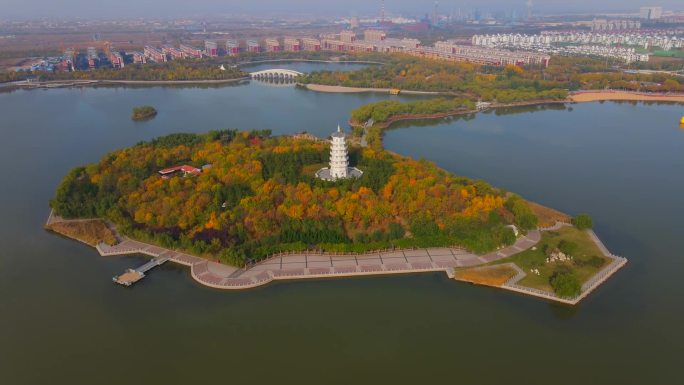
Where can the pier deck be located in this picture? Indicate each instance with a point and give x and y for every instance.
(132, 276)
(128, 278)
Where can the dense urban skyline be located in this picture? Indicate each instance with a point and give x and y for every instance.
(131, 8)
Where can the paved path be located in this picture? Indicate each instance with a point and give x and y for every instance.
(319, 265)
(326, 265)
(590, 285)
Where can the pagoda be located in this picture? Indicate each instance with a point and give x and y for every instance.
(339, 160)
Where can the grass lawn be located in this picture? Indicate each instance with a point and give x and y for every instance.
(580, 266)
(489, 275)
(672, 53)
(91, 232)
(547, 216)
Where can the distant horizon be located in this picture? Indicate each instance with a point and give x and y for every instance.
(129, 9)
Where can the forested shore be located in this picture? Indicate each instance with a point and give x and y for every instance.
(505, 84)
(259, 197)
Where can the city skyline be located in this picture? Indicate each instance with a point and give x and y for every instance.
(128, 8)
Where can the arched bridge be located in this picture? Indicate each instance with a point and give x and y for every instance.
(276, 73)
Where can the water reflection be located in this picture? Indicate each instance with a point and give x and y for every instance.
(502, 111)
(563, 312)
(276, 81)
(619, 163)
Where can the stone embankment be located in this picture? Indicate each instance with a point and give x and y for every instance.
(316, 265)
(589, 286)
(307, 265)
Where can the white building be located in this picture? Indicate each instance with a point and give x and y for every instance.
(339, 160)
(651, 13)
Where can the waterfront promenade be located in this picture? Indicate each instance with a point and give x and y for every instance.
(317, 265)
(307, 265)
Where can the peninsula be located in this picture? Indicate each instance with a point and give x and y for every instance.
(245, 208)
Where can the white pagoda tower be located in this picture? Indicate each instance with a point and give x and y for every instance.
(339, 160)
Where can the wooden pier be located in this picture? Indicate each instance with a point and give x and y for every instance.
(132, 276)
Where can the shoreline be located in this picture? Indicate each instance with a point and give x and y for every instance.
(291, 266)
(88, 83)
(573, 98)
(442, 115)
(350, 90)
(208, 81)
(248, 63)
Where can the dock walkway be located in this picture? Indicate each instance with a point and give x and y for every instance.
(132, 276)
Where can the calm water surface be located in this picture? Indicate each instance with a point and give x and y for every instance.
(62, 321)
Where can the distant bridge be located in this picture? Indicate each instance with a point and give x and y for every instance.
(276, 73)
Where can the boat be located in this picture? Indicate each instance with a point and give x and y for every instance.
(681, 121)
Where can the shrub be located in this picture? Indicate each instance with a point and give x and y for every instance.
(423, 226)
(567, 247)
(596, 261)
(593, 261)
(396, 231)
(378, 236)
(583, 222)
(361, 238)
(565, 284)
(522, 213)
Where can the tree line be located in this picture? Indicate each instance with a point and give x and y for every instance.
(259, 197)
(177, 70)
(493, 83)
(385, 110)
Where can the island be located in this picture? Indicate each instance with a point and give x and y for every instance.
(143, 113)
(245, 208)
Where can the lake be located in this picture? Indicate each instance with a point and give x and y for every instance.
(64, 321)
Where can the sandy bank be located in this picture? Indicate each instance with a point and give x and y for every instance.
(594, 96)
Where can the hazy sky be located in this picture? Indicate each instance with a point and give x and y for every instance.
(116, 8)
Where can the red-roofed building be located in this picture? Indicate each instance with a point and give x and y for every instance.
(185, 169)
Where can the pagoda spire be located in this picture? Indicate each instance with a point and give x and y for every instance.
(339, 159)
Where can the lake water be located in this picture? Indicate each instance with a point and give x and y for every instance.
(63, 321)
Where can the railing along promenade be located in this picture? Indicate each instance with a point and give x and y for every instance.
(590, 285)
(312, 264)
